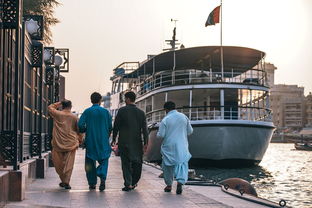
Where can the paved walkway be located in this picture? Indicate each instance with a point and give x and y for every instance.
(149, 193)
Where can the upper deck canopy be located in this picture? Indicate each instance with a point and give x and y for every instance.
(240, 59)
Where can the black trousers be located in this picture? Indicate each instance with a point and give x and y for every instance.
(131, 170)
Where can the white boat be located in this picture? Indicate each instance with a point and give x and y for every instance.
(228, 109)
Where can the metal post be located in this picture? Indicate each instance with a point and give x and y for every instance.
(174, 66)
(57, 84)
(222, 68)
(16, 100)
(3, 77)
(240, 104)
(53, 87)
(16, 89)
(222, 103)
(232, 74)
(250, 103)
(153, 66)
(40, 110)
(21, 152)
(190, 104)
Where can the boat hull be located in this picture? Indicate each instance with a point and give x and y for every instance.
(221, 144)
(303, 146)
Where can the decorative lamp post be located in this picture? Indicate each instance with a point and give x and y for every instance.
(34, 27)
(49, 59)
(64, 54)
(48, 55)
(58, 61)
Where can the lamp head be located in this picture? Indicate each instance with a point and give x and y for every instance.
(32, 26)
(58, 60)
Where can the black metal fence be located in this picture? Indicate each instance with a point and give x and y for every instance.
(25, 128)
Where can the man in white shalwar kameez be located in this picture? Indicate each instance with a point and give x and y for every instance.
(174, 129)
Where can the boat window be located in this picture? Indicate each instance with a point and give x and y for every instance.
(205, 104)
(206, 97)
(141, 105)
(159, 101)
(148, 106)
(252, 98)
(180, 97)
(231, 104)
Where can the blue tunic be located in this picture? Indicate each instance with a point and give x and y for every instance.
(96, 122)
(174, 129)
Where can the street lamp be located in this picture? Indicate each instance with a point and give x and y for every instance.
(58, 60)
(48, 55)
(64, 59)
(34, 26)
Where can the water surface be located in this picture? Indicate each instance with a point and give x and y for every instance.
(284, 173)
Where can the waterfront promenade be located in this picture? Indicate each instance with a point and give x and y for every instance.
(149, 193)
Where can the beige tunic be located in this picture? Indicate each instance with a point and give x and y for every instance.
(65, 130)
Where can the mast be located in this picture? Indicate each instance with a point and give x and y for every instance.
(222, 67)
(173, 43)
(221, 47)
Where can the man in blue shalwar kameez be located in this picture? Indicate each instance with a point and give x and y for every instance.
(96, 121)
(174, 129)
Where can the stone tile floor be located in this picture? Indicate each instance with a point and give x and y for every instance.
(149, 193)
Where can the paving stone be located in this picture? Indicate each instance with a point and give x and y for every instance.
(149, 193)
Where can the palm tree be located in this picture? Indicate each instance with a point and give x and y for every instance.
(45, 8)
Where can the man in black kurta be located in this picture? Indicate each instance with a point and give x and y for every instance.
(130, 123)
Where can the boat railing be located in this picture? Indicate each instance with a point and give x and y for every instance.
(185, 77)
(196, 113)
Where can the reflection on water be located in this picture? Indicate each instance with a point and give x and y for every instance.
(248, 174)
(284, 173)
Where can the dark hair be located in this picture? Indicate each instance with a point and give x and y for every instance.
(96, 97)
(66, 104)
(131, 96)
(169, 105)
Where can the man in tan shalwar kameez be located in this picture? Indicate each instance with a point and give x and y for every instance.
(65, 140)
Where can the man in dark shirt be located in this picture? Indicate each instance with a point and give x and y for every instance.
(130, 123)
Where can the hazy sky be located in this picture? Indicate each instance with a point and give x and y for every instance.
(101, 34)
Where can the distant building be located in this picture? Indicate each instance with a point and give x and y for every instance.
(308, 110)
(287, 104)
(270, 68)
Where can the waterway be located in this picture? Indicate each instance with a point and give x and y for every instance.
(284, 173)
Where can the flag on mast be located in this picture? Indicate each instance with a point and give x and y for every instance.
(214, 17)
